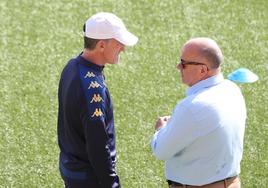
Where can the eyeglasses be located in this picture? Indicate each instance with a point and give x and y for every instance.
(183, 63)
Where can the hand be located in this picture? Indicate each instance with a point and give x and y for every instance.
(161, 122)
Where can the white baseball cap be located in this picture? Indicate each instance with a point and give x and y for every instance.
(106, 25)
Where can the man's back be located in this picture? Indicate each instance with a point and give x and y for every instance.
(202, 141)
(218, 113)
(85, 124)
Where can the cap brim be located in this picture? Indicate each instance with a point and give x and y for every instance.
(243, 75)
(127, 38)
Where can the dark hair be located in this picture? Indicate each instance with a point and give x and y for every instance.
(89, 43)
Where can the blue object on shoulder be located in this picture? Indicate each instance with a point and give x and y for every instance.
(243, 75)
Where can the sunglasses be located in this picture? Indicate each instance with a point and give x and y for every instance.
(183, 63)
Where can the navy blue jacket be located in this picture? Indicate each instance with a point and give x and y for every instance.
(86, 133)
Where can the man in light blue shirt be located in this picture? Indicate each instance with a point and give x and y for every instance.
(202, 141)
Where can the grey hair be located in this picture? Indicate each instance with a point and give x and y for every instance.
(214, 55)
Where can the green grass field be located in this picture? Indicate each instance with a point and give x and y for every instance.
(37, 37)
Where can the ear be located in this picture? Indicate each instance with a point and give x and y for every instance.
(204, 70)
(100, 45)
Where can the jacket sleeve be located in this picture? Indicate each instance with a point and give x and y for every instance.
(97, 140)
(179, 132)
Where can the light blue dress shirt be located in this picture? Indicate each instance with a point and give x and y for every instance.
(203, 140)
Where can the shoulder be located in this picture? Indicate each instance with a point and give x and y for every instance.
(92, 81)
(231, 86)
(94, 91)
(201, 102)
(214, 98)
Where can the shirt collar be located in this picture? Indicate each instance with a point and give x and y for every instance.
(211, 81)
(90, 64)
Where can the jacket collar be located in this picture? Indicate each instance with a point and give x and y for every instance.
(211, 81)
(90, 64)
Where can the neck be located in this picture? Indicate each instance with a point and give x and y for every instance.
(216, 71)
(93, 56)
(212, 72)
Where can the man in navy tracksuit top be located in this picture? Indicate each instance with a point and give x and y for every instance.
(86, 133)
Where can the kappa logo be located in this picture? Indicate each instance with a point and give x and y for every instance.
(97, 113)
(96, 98)
(89, 75)
(94, 84)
